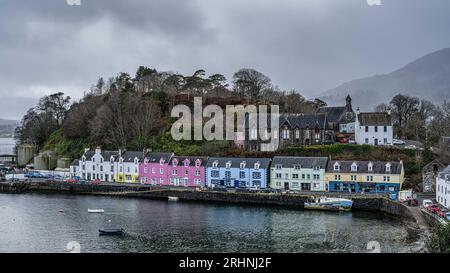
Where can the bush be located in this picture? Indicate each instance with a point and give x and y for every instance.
(439, 241)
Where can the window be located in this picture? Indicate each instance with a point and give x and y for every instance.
(161, 171)
(112, 168)
(228, 165)
(257, 164)
(120, 169)
(278, 175)
(256, 175)
(242, 165)
(214, 173)
(161, 181)
(316, 177)
(297, 134)
(242, 175)
(385, 129)
(308, 176)
(101, 168)
(376, 129)
(385, 140)
(386, 178)
(93, 168)
(366, 141)
(145, 170)
(174, 172)
(227, 174)
(278, 166)
(197, 173)
(353, 177)
(336, 167)
(153, 181)
(197, 181)
(295, 176)
(215, 164)
(303, 176)
(297, 167)
(369, 178)
(337, 177)
(295, 184)
(370, 167)
(367, 129)
(153, 170)
(186, 172)
(285, 134)
(128, 169)
(354, 167)
(388, 167)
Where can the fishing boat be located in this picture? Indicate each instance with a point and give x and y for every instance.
(115, 231)
(173, 198)
(96, 210)
(329, 203)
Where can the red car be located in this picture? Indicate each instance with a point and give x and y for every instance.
(433, 208)
(71, 180)
(96, 182)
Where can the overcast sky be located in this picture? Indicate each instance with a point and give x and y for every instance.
(307, 45)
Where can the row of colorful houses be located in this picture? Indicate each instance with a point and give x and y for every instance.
(316, 174)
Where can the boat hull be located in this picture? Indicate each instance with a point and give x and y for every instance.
(110, 232)
(330, 206)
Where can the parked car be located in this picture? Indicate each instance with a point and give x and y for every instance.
(71, 180)
(447, 216)
(433, 208)
(427, 202)
(398, 142)
(96, 182)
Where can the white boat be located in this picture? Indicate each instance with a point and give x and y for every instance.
(173, 198)
(96, 210)
(330, 203)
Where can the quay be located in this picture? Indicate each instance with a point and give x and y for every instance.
(364, 202)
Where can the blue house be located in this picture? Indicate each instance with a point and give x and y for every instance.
(231, 172)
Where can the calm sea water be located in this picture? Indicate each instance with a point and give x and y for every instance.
(6, 145)
(34, 223)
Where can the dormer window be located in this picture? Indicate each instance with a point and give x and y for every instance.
(388, 167)
(228, 165)
(257, 164)
(111, 160)
(161, 161)
(278, 166)
(174, 162)
(215, 164)
(354, 167)
(186, 163)
(136, 161)
(242, 166)
(198, 162)
(370, 167)
(336, 167)
(121, 160)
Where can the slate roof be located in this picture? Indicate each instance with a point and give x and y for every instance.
(379, 167)
(334, 113)
(303, 121)
(155, 157)
(129, 156)
(236, 162)
(304, 162)
(375, 119)
(76, 162)
(105, 154)
(445, 174)
(191, 159)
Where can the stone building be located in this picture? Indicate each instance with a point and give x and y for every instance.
(429, 174)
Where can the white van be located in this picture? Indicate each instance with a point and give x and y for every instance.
(426, 203)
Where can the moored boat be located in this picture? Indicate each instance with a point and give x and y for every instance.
(96, 210)
(173, 198)
(116, 231)
(329, 203)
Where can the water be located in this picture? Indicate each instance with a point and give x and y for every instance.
(34, 223)
(7, 145)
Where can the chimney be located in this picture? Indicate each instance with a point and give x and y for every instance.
(98, 150)
(389, 111)
(358, 111)
(86, 150)
(120, 152)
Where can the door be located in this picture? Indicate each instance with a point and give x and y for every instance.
(376, 142)
(286, 185)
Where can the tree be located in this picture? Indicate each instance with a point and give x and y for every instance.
(439, 241)
(55, 105)
(250, 83)
(403, 109)
(382, 107)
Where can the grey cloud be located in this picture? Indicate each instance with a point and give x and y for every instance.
(308, 45)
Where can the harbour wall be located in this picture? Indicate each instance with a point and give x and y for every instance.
(360, 202)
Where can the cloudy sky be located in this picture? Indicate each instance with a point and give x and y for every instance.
(307, 45)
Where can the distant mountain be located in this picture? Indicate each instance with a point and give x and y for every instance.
(426, 78)
(7, 127)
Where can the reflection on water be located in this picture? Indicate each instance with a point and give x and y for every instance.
(34, 223)
(7, 145)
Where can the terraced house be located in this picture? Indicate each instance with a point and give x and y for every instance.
(96, 165)
(127, 166)
(186, 171)
(154, 168)
(237, 172)
(299, 173)
(365, 176)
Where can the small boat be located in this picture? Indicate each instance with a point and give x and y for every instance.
(173, 198)
(329, 203)
(96, 210)
(114, 231)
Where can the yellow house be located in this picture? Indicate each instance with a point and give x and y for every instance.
(127, 167)
(365, 176)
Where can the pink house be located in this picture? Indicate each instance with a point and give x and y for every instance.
(154, 169)
(187, 171)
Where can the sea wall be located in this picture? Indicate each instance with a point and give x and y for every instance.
(361, 202)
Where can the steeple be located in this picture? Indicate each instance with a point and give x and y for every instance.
(348, 104)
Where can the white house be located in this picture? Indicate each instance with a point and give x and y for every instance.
(127, 166)
(98, 164)
(374, 128)
(75, 168)
(443, 188)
